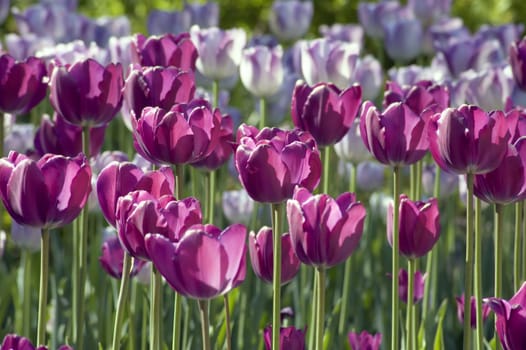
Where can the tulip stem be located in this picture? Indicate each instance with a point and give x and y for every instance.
(418, 180)
(262, 113)
(395, 262)
(320, 271)
(411, 269)
(478, 275)
(347, 268)
(468, 276)
(144, 323)
(211, 195)
(215, 94)
(26, 306)
(123, 295)
(176, 334)
(498, 263)
(517, 244)
(326, 164)
(203, 312)
(276, 280)
(42, 296)
(155, 309)
(228, 338)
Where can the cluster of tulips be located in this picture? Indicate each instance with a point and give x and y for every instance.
(460, 117)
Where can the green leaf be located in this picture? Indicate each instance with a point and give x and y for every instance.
(439, 335)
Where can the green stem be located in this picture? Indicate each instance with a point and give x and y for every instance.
(176, 334)
(42, 296)
(262, 113)
(326, 163)
(276, 280)
(228, 339)
(26, 311)
(314, 310)
(347, 269)
(215, 94)
(478, 275)
(211, 195)
(468, 276)
(395, 261)
(418, 180)
(412, 181)
(144, 325)
(320, 271)
(498, 262)
(123, 295)
(519, 207)
(411, 269)
(155, 309)
(203, 312)
(133, 310)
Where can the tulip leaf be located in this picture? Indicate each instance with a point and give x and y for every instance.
(439, 335)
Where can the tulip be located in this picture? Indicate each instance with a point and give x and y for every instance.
(261, 253)
(365, 341)
(368, 74)
(290, 20)
(220, 51)
(468, 140)
(403, 282)
(351, 33)
(26, 237)
(511, 319)
(420, 96)
(324, 231)
(370, 176)
(160, 22)
(205, 263)
(428, 11)
(261, 70)
(237, 206)
(16, 342)
(19, 138)
(87, 93)
(517, 55)
(403, 38)
(47, 193)
(185, 134)
(395, 137)
(419, 226)
(22, 86)
(290, 338)
(4, 10)
(351, 148)
(139, 213)
(224, 149)
(325, 111)
(373, 16)
(166, 50)
(448, 182)
(489, 89)
(277, 159)
(473, 305)
(205, 15)
(506, 34)
(20, 47)
(112, 257)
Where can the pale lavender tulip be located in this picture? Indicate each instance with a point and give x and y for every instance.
(489, 89)
(370, 176)
(374, 15)
(237, 206)
(351, 147)
(369, 75)
(429, 11)
(290, 20)
(19, 138)
(204, 15)
(403, 38)
(24, 46)
(119, 50)
(446, 29)
(26, 237)
(160, 22)
(448, 182)
(261, 70)
(351, 33)
(4, 10)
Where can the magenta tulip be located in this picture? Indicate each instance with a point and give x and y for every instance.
(517, 53)
(468, 140)
(22, 85)
(418, 97)
(473, 305)
(418, 286)
(271, 162)
(365, 341)
(324, 231)
(47, 193)
(16, 342)
(205, 263)
(87, 93)
(419, 226)
(325, 111)
(166, 50)
(224, 149)
(261, 256)
(290, 338)
(112, 258)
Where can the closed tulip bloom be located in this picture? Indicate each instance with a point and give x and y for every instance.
(370, 176)
(261, 70)
(16, 342)
(185, 134)
(403, 283)
(324, 231)
(419, 226)
(205, 15)
(448, 182)
(271, 162)
(290, 338)
(473, 305)
(118, 179)
(290, 20)
(166, 50)
(517, 53)
(219, 51)
(403, 38)
(324, 110)
(205, 263)
(365, 341)
(224, 148)
(420, 96)
(139, 213)
(468, 140)
(351, 148)
(430, 10)
(396, 137)
(160, 22)
(373, 16)
(237, 206)
(19, 138)
(26, 237)
(47, 193)
(511, 319)
(112, 258)
(87, 93)
(59, 137)
(369, 75)
(261, 256)
(351, 33)
(22, 85)
(489, 89)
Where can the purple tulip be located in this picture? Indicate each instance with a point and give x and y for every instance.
(365, 341)
(271, 162)
(20, 47)
(87, 93)
(419, 226)
(370, 176)
(517, 55)
(237, 206)
(324, 110)
(224, 148)
(396, 137)
(489, 89)
(22, 85)
(205, 263)
(261, 256)
(506, 35)
(420, 96)
(511, 319)
(374, 15)
(16, 342)
(418, 287)
(166, 50)
(473, 321)
(100, 30)
(290, 338)
(139, 213)
(324, 231)
(290, 20)
(59, 137)
(448, 182)
(185, 134)
(403, 38)
(160, 22)
(429, 11)
(219, 51)
(447, 29)
(4, 10)
(468, 140)
(47, 193)
(119, 179)
(204, 15)
(112, 258)
(261, 70)
(351, 33)
(369, 75)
